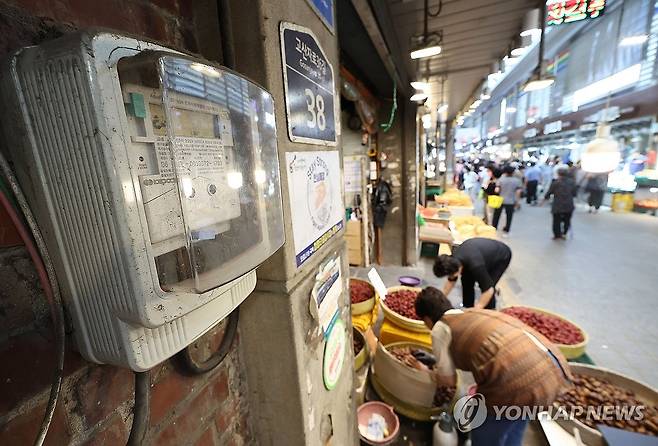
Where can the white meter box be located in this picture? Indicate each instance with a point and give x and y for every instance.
(155, 179)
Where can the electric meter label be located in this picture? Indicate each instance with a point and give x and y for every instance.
(309, 87)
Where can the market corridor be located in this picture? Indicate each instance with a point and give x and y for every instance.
(601, 278)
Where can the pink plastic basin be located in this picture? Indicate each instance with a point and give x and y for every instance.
(365, 411)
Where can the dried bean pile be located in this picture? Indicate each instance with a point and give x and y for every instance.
(444, 395)
(598, 393)
(357, 344)
(360, 291)
(556, 330)
(402, 302)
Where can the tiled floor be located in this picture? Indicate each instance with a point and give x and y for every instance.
(605, 278)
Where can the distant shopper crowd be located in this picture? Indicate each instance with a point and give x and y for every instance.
(500, 188)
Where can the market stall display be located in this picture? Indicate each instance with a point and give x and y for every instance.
(466, 227)
(596, 388)
(362, 296)
(646, 205)
(454, 197)
(399, 308)
(569, 337)
(360, 349)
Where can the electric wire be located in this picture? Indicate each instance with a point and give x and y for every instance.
(47, 278)
(225, 345)
(141, 409)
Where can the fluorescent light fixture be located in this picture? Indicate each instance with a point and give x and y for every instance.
(476, 104)
(426, 51)
(537, 82)
(419, 97)
(634, 40)
(420, 85)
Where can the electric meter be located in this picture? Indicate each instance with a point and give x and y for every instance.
(155, 179)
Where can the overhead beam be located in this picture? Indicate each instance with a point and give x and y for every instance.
(369, 21)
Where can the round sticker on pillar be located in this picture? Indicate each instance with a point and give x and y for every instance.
(334, 354)
(319, 190)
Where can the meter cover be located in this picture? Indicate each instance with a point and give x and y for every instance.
(222, 141)
(203, 140)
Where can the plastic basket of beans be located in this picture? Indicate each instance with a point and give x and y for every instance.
(399, 308)
(569, 337)
(362, 296)
(600, 396)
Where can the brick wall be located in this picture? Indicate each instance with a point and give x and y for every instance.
(96, 402)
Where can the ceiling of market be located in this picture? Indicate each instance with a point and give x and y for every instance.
(476, 33)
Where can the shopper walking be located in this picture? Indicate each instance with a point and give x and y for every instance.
(509, 187)
(513, 365)
(477, 260)
(532, 177)
(596, 185)
(489, 187)
(471, 184)
(563, 190)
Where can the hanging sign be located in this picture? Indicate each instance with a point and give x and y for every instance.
(334, 355)
(316, 205)
(325, 10)
(309, 87)
(569, 11)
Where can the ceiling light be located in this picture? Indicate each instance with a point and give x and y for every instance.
(485, 96)
(531, 23)
(520, 46)
(420, 85)
(442, 108)
(418, 97)
(537, 82)
(426, 51)
(633, 40)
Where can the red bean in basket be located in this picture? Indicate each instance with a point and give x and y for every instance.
(360, 291)
(555, 329)
(403, 303)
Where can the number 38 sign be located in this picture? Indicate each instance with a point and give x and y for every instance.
(309, 87)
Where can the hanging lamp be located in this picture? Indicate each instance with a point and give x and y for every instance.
(430, 45)
(537, 81)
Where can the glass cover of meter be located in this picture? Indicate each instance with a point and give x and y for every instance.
(213, 205)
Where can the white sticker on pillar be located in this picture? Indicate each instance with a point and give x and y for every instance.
(378, 283)
(326, 293)
(334, 354)
(316, 204)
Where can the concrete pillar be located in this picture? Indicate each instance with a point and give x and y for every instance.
(282, 348)
(411, 160)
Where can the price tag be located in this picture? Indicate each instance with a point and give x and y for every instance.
(378, 283)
